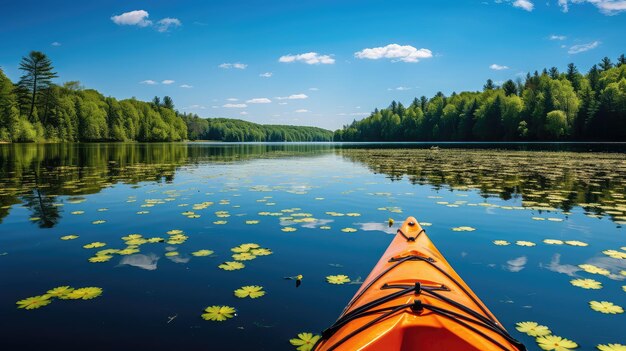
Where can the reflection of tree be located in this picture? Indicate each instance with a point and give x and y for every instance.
(542, 179)
(42, 208)
(42, 205)
(39, 174)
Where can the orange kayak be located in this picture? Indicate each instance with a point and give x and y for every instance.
(414, 300)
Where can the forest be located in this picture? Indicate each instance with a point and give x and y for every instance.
(546, 106)
(227, 129)
(35, 109)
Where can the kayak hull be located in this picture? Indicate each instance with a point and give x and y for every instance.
(414, 300)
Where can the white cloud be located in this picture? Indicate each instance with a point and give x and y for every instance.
(293, 97)
(301, 111)
(310, 58)
(237, 65)
(395, 52)
(149, 82)
(576, 49)
(607, 7)
(497, 67)
(282, 103)
(266, 75)
(557, 37)
(55, 43)
(140, 18)
(186, 86)
(353, 114)
(235, 105)
(400, 88)
(314, 89)
(243, 113)
(524, 4)
(232, 99)
(167, 82)
(194, 107)
(165, 24)
(259, 101)
(133, 18)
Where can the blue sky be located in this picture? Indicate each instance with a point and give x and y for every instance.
(321, 63)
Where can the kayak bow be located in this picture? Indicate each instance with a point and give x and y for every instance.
(414, 300)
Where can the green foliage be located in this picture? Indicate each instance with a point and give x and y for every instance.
(38, 110)
(37, 78)
(224, 129)
(547, 106)
(35, 109)
(556, 124)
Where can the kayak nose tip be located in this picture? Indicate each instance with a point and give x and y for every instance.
(410, 221)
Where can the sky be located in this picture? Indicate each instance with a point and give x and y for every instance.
(303, 62)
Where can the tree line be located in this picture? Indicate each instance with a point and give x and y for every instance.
(226, 129)
(36, 109)
(546, 106)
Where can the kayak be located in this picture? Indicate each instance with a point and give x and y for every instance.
(414, 300)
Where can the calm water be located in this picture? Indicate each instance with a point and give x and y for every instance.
(153, 301)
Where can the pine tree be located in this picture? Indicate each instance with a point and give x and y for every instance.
(156, 102)
(554, 73)
(168, 102)
(594, 77)
(489, 85)
(606, 64)
(509, 88)
(38, 75)
(573, 76)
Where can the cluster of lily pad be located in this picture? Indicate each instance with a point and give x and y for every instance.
(305, 341)
(244, 252)
(337, 279)
(545, 241)
(544, 338)
(546, 341)
(62, 293)
(557, 186)
(132, 241)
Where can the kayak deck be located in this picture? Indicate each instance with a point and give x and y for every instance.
(414, 300)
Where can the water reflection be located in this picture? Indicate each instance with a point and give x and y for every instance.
(542, 180)
(517, 264)
(147, 262)
(43, 177)
(556, 266)
(38, 176)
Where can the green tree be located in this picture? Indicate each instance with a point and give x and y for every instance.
(9, 113)
(556, 124)
(509, 88)
(573, 76)
(168, 102)
(489, 120)
(38, 75)
(554, 73)
(606, 64)
(489, 85)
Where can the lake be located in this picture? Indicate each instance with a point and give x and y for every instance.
(320, 210)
